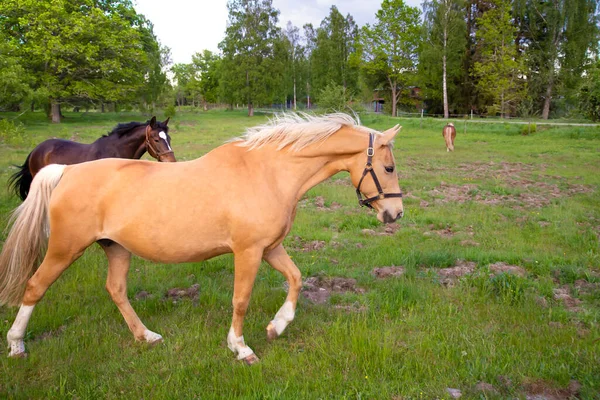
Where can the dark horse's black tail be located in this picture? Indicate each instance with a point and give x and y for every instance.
(21, 180)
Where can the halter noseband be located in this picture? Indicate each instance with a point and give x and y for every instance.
(369, 169)
(152, 151)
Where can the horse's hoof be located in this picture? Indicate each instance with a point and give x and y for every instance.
(152, 338)
(271, 332)
(251, 359)
(21, 354)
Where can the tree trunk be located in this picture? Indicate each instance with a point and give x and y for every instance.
(294, 93)
(250, 109)
(55, 111)
(205, 105)
(307, 95)
(102, 106)
(444, 66)
(32, 106)
(394, 88)
(548, 98)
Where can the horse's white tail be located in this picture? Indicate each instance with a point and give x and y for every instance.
(28, 237)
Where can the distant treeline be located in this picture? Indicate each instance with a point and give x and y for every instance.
(493, 57)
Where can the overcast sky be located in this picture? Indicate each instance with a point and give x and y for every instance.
(190, 26)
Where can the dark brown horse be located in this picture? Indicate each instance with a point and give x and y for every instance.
(129, 140)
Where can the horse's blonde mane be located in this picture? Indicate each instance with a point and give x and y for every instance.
(298, 130)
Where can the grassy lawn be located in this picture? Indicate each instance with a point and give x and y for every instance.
(501, 281)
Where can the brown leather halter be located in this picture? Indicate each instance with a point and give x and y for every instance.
(369, 170)
(152, 151)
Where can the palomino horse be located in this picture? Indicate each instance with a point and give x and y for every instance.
(130, 140)
(449, 133)
(239, 198)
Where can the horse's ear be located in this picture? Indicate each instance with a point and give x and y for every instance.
(389, 135)
(167, 121)
(152, 122)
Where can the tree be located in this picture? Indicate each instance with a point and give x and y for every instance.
(183, 75)
(445, 41)
(207, 66)
(589, 94)
(498, 70)
(14, 80)
(78, 50)
(390, 46)
(251, 70)
(292, 34)
(334, 44)
(557, 38)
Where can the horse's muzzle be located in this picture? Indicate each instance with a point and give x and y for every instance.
(169, 157)
(388, 218)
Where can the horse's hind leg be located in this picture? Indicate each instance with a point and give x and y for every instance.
(116, 285)
(281, 261)
(57, 259)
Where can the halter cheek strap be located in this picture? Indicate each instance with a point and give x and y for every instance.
(152, 151)
(369, 170)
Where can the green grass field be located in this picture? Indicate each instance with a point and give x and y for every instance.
(530, 201)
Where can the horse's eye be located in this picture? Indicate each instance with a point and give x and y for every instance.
(389, 169)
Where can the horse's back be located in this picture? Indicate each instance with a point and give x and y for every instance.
(58, 151)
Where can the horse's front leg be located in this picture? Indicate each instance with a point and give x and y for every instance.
(246, 267)
(281, 261)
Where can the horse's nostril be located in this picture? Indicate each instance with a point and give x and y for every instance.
(400, 215)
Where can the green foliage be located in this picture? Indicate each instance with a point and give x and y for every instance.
(499, 67)
(170, 111)
(444, 36)
(334, 98)
(252, 57)
(389, 47)
(333, 55)
(12, 133)
(589, 94)
(76, 50)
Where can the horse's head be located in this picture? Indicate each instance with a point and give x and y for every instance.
(158, 141)
(374, 175)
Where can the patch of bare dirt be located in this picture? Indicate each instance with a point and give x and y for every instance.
(500, 267)
(299, 244)
(387, 230)
(445, 233)
(466, 243)
(51, 334)
(571, 303)
(142, 295)
(320, 204)
(180, 293)
(449, 276)
(318, 289)
(534, 193)
(543, 390)
(586, 287)
(485, 387)
(387, 272)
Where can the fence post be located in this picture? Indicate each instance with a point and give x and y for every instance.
(471, 113)
(421, 122)
(465, 131)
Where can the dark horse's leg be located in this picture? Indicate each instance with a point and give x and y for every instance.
(21, 180)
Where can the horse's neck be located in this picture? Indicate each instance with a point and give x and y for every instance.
(125, 146)
(312, 165)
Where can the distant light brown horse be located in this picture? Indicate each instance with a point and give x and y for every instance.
(449, 133)
(130, 140)
(240, 198)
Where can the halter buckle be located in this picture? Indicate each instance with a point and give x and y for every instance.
(370, 151)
